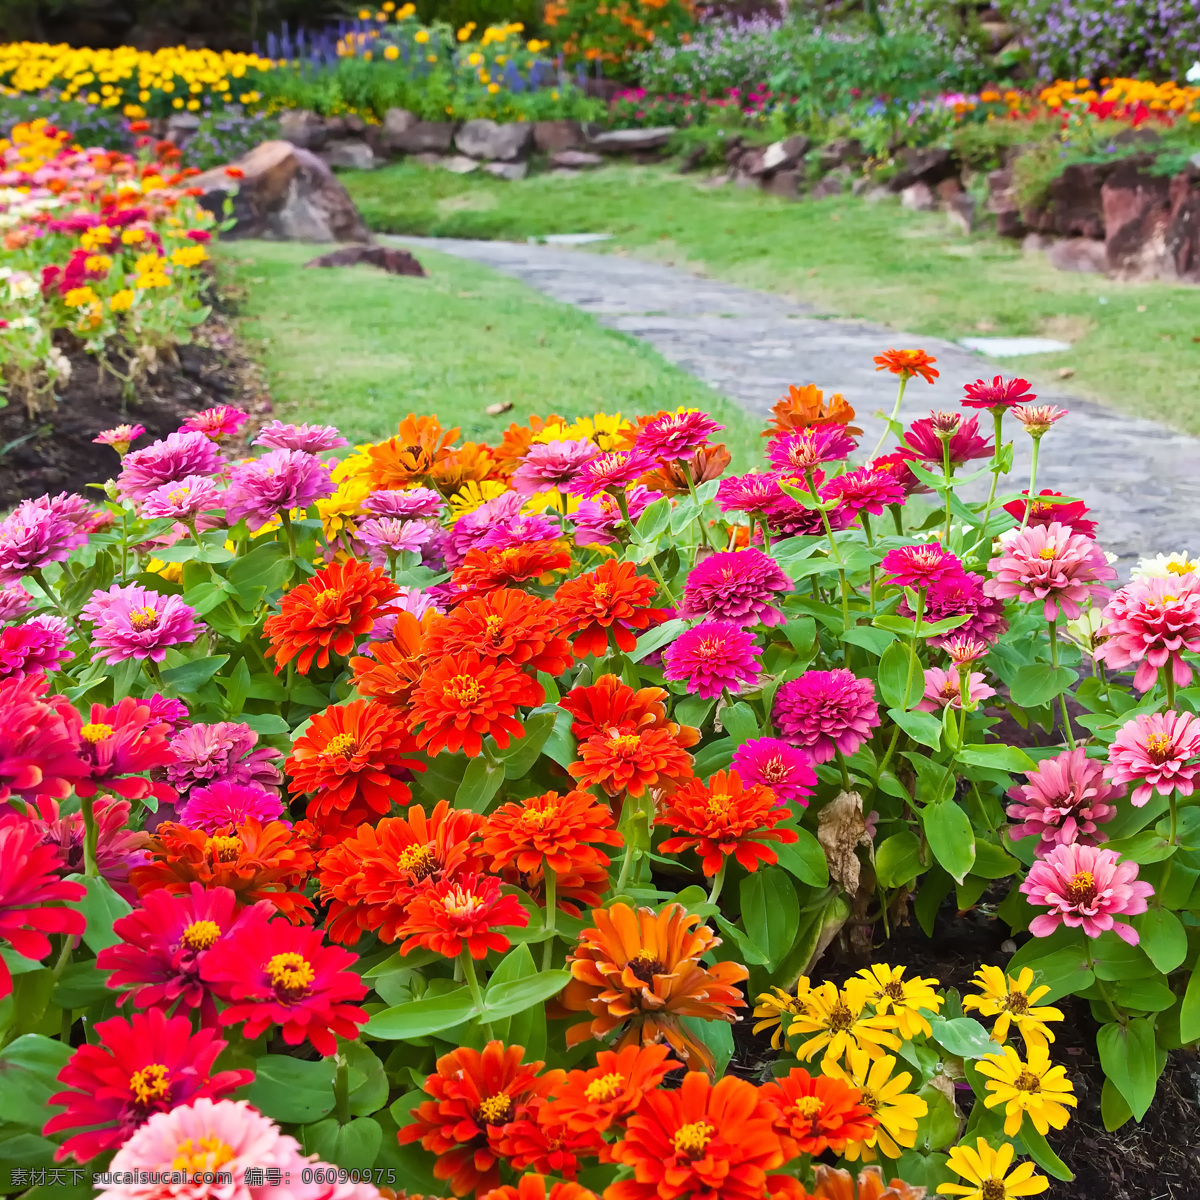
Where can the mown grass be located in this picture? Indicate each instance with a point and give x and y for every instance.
(360, 349)
(1134, 346)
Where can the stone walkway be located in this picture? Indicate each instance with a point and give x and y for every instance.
(1141, 479)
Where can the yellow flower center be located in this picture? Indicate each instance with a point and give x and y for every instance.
(199, 935)
(1180, 568)
(462, 689)
(602, 592)
(96, 733)
(207, 1154)
(1158, 746)
(607, 1087)
(492, 626)
(808, 1106)
(1081, 887)
(1027, 1081)
(536, 818)
(179, 495)
(692, 1140)
(341, 745)
(460, 903)
(718, 804)
(150, 1083)
(993, 1189)
(290, 972)
(494, 1109)
(143, 618)
(840, 1018)
(418, 861)
(327, 596)
(1047, 552)
(224, 848)
(626, 743)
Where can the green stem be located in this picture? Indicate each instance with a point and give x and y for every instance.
(687, 474)
(718, 882)
(1062, 696)
(887, 429)
(468, 966)
(662, 583)
(90, 835)
(341, 1091)
(912, 646)
(551, 912)
(865, 517)
(841, 761)
(1173, 840)
(845, 587)
(887, 754)
(1169, 680)
(1033, 466)
(288, 531)
(626, 866)
(1091, 964)
(766, 534)
(998, 423)
(58, 608)
(489, 755)
(946, 470)
(897, 518)
(154, 673)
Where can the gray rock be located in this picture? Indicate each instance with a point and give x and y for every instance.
(631, 141)
(492, 142)
(396, 123)
(929, 165)
(302, 127)
(782, 156)
(181, 126)
(459, 164)
(349, 153)
(577, 159)
(552, 137)
(919, 197)
(833, 184)
(960, 212)
(512, 171)
(782, 183)
(424, 137)
(840, 152)
(1085, 256)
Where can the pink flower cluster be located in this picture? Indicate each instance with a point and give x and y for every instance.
(826, 712)
(1150, 623)
(1051, 565)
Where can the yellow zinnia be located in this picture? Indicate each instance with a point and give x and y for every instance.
(472, 494)
(1012, 1002)
(886, 1095)
(891, 993)
(1034, 1087)
(771, 1006)
(836, 1022)
(986, 1173)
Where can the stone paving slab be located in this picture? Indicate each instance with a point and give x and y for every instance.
(1141, 478)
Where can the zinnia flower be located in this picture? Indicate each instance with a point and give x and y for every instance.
(134, 622)
(920, 566)
(39, 740)
(120, 744)
(905, 999)
(672, 436)
(270, 972)
(1065, 800)
(461, 913)
(774, 764)
(1013, 1001)
(987, 1175)
(1037, 512)
(551, 466)
(704, 1139)
(183, 499)
(225, 803)
(738, 586)
(817, 1113)
(563, 832)
(148, 1064)
(1152, 624)
(15, 601)
(484, 571)
(1034, 1087)
(598, 521)
(222, 421)
(613, 598)
(1085, 886)
(907, 363)
(412, 503)
(419, 445)
(836, 1021)
(954, 596)
(592, 1100)
(223, 750)
(753, 493)
(804, 406)
(389, 536)
(394, 667)
(38, 645)
(1152, 751)
(1038, 418)
(943, 689)
(33, 536)
(638, 971)
(884, 1091)
(998, 395)
(612, 470)
(166, 710)
(712, 657)
(179, 455)
(809, 447)
(866, 490)
(262, 488)
(826, 711)
(1161, 566)
(965, 444)
(534, 1187)
(1049, 563)
(120, 437)
(833, 1184)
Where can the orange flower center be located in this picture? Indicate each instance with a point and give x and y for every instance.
(840, 1018)
(462, 690)
(341, 745)
(199, 935)
(290, 973)
(607, 1087)
(993, 1189)
(1047, 553)
(224, 848)
(494, 1109)
(417, 861)
(143, 618)
(1081, 887)
(151, 1083)
(1027, 1081)
(1158, 746)
(207, 1154)
(1016, 1003)
(96, 733)
(692, 1140)
(626, 743)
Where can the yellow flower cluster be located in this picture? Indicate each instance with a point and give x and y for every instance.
(1167, 97)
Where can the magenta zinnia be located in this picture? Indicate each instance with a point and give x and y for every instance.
(958, 595)
(227, 803)
(739, 586)
(225, 750)
(1000, 394)
(1152, 751)
(826, 711)
(551, 466)
(282, 480)
(612, 470)
(1051, 565)
(865, 490)
(773, 763)
(713, 656)
(38, 645)
(180, 454)
(920, 566)
(1152, 622)
(672, 436)
(313, 439)
(810, 447)
(965, 444)
(32, 536)
(134, 622)
(1065, 800)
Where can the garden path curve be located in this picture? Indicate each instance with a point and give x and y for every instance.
(1141, 478)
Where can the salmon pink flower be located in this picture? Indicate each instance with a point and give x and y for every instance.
(120, 437)
(412, 503)
(462, 913)
(220, 422)
(826, 711)
(177, 456)
(1051, 565)
(942, 690)
(1065, 800)
(1152, 751)
(999, 395)
(312, 439)
(1086, 886)
(551, 466)
(738, 586)
(1152, 623)
(776, 765)
(712, 657)
(1037, 418)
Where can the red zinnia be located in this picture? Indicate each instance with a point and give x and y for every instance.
(39, 740)
(723, 818)
(613, 597)
(817, 1114)
(274, 973)
(543, 1144)
(149, 1064)
(563, 831)
(28, 883)
(1073, 514)
(120, 744)
(484, 571)
(907, 363)
(461, 912)
(533, 1187)
(463, 699)
(605, 1095)
(475, 1094)
(329, 612)
(998, 395)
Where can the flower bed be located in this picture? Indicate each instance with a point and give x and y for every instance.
(437, 810)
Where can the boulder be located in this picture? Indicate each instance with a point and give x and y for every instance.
(919, 197)
(396, 123)
(552, 137)
(283, 192)
(782, 183)
(493, 142)
(423, 137)
(961, 212)
(578, 160)
(841, 152)
(302, 128)
(1085, 256)
(949, 188)
(929, 166)
(1137, 216)
(1183, 234)
(1002, 203)
(750, 162)
(387, 258)
(182, 127)
(350, 153)
(1076, 208)
(630, 141)
(512, 171)
(458, 164)
(783, 156)
(833, 184)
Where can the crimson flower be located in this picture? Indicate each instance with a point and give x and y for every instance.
(39, 740)
(922, 439)
(998, 395)
(919, 566)
(121, 744)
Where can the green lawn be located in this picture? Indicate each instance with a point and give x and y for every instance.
(1135, 346)
(359, 348)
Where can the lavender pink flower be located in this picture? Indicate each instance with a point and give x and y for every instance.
(467, 532)
(222, 421)
(282, 480)
(1052, 565)
(596, 521)
(167, 711)
(182, 500)
(737, 586)
(410, 503)
(676, 435)
(34, 535)
(1152, 751)
(774, 764)
(1064, 800)
(825, 712)
(15, 602)
(809, 447)
(1151, 623)
(40, 644)
(943, 688)
(313, 439)
(711, 657)
(226, 750)
(180, 454)
(516, 531)
(1088, 887)
(226, 803)
(551, 466)
(384, 536)
(134, 622)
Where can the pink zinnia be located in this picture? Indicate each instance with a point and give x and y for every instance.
(1086, 886)
(1153, 751)
(596, 521)
(120, 437)
(32, 536)
(737, 586)
(965, 443)
(1073, 514)
(222, 421)
(551, 466)
(826, 711)
(180, 454)
(1049, 563)
(39, 740)
(168, 711)
(121, 743)
(787, 516)
(954, 596)
(72, 507)
(943, 688)
(753, 493)
(865, 490)
(1065, 800)
(1151, 623)
(676, 435)
(774, 764)
(314, 439)
(470, 528)
(612, 470)
(38, 645)
(1000, 394)
(711, 657)
(134, 622)
(920, 566)
(204, 754)
(413, 502)
(182, 500)
(391, 535)
(516, 531)
(810, 447)
(282, 480)
(1037, 418)
(225, 803)
(15, 602)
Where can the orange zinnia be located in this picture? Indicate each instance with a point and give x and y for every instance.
(474, 1095)
(517, 439)
(484, 571)
(613, 597)
(369, 878)
(504, 624)
(805, 406)
(671, 478)
(255, 861)
(705, 1139)
(349, 761)
(470, 462)
(722, 818)
(640, 971)
(611, 703)
(395, 670)
(533, 1187)
(818, 1113)
(832, 1184)
(606, 1094)
(907, 363)
(336, 607)
(562, 831)
(463, 913)
(543, 1144)
(462, 699)
(420, 443)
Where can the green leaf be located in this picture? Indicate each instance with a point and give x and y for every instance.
(522, 754)
(505, 999)
(1189, 1014)
(1162, 937)
(804, 858)
(877, 641)
(560, 744)
(266, 568)
(654, 519)
(738, 720)
(1038, 683)
(101, 906)
(693, 710)
(964, 1037)
(29, 1068)
(998, 758)
(898, 859)
(526, 1028)
(204, 597)
(938, 1128)
(264, 724)
(432, 1015)
(717, 1036)
(893, 675)
(951, 837)
(655, 639)
(770, 911)
(1127, 1054)
(368, 1079)
(189, 676)
(1039, 1150)
(922, 727)
(1145, 995)
(1114, 1110)
(291, 1090)
(993, 862)
(353, 1146)
(480, 783)
(81, 984)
